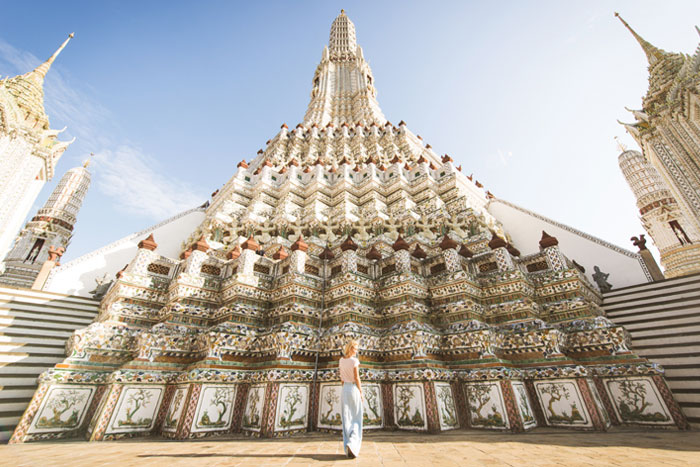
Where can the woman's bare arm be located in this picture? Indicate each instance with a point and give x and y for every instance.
(357, 379)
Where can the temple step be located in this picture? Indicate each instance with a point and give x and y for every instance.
(34, 328)
(663, 319)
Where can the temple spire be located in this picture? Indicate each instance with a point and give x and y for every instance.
(39, 73)
(654, 54)
(343, 40)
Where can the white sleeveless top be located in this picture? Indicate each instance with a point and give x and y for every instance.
(347, 369)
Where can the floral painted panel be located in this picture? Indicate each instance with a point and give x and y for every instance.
(215, 408)
(486, 408)
(409, 406)
(252, 416)
(329, 413)
(637, 400)
(524, 406)
(62, 409)
(177, 404)
(599, 403)
(292, 405)
(446, 406)
(562, 403)
(372, 408)
(136, 409)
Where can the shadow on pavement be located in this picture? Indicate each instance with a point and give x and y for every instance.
(316, 457)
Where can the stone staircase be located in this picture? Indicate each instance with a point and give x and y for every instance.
(34, 327)
(663, 319)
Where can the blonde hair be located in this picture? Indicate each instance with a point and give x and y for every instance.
(351, 344)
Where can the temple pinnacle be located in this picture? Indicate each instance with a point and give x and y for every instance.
(88, 160)
(654, 54)
(40, 72)
(620, 145)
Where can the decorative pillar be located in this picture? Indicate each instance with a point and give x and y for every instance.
(246, 262)
(297, 260)
(144, 256)
(402, 255)
(649, 261)
(450, 254)
(54, 255)
(349, 255)
(550, 246)
(501, 254)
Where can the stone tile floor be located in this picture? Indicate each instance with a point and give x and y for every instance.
(458, 448)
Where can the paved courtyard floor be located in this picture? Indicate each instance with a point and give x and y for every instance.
(457, 448)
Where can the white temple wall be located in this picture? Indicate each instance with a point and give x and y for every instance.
(78, 277)
(525, 229)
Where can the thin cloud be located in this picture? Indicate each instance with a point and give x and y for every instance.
(136, 182)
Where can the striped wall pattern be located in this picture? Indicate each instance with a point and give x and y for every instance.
(34, 328)
(663, 319)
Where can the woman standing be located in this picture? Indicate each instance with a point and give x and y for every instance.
(351, 400)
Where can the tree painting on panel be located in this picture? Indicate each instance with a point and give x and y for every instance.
(170, 419)
(61, 402)
(220, 402)
(633, 403)
(371, 416)
(524, 406)
(136, 400)
(447, 409)
(291, 405)
(557, 392)
(251, 418)
(479, 396)
(404, 396)
(328, 418)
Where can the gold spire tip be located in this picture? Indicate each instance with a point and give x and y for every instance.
(71, 35)
(342, 12)
(620, 145)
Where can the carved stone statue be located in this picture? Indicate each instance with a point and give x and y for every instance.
(103, 285)
(640, 242)
(601, 279)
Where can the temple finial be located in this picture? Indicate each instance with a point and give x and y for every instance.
(620, 145)
(654, 54)
(40, 72)
(88, 160)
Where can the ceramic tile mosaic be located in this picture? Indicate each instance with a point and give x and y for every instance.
(136, 409)
(486, 407)
(409, 407)
(562, 403)
(214, 409)
(292, 407)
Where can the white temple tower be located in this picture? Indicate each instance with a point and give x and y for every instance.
(667, 128)
(48, 233)
(29, 148)
(660, 214)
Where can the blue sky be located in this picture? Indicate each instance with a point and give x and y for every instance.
(171, 95)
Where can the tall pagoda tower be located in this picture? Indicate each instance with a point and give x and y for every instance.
(667, 128)
(29, 148)
(347, 226)
(49, 231)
